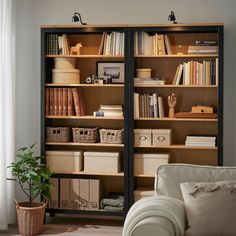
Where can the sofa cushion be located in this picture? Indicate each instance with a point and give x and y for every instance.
(210, 208)
(169, 177)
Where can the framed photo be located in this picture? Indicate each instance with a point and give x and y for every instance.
(114, 69)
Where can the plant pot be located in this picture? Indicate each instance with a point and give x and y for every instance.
(30, 219)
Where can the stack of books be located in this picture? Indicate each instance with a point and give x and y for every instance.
(57, 44)
(110, 111)
(154, 81)
(200, 140)
(204, 47)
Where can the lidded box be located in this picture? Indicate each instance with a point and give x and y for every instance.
(66, 76)
(102, 162)
(143, 137)
(143, 192)
(162, 137)
(143, 73)
(64, 161)
(147, 164)
(64, 63)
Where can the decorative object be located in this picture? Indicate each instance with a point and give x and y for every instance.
(77, 18)
(113, 69)
(172, 100)
(33, 178)
(172, 17)
(202, 109)
(144, 73)
(76, 49)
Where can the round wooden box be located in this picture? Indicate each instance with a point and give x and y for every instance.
(143, 73)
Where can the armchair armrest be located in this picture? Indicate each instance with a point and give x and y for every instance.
(155, 214)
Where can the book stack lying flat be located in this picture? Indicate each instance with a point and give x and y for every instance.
(204, 47)
(195, 140)
(156, 81)
(109, 111)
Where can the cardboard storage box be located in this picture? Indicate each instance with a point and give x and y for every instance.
(64, 161)
(64, 63)
(94, 194)
(102, 162)
(64, 193)
(53, 202)
(162, 137)
(75, 193)
(143, 192)
(147, 164)
(84, 193)
(65, 76)
(143, 137)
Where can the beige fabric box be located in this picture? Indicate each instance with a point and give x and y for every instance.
(143, 137)
(143, 192)
(65, 76)
(64, 63)
(147, 164)
(64, 161)
(53, 202)
(94, 194)
(162, 137)
(102, 162)
(75, 193)
(64, 193)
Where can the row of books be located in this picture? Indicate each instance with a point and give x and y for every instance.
(156, 44)
(57, 44)
(197, 140)
(197, 73)
(204, 47)
(109, 111)
(148, 105)
(64, 102)
(112, 44)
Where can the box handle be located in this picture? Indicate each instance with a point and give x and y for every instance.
(161, 138)
(142, 138)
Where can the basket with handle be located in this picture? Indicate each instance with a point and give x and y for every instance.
(115, 136)
(85, 135)
(57, 134)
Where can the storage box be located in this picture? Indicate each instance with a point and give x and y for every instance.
(147, 164)
(102, 162)
(64, 193)
(53, 202)
(64, 161)
(143, 137)
(84, 193)
(64, 63)
(161, 137)
(94, 194)
(143, 73)
(74, 193)
(143, 192)
(66, 76)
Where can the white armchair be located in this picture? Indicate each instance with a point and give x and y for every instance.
(164, 214)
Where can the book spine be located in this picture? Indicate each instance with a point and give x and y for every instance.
(65, 101)
(47, 101)
(76, 101)
(60, 102)
(81, 103)
(51, 101)
(161, 107)
(70, 102)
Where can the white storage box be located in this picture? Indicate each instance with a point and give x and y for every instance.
(64, 161)
(143, 192)
(65, 76)
(147, 164)
(64, 63)
(161, 137)
(102, 162)
(143, 137)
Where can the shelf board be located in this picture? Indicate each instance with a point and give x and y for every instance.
(85, 144)
(174, 86)
(178, 146)
(85, 85)
(86, 56)
(178, 56)
(142, 175)
(89, 173)
(175, 119)
(85, 117)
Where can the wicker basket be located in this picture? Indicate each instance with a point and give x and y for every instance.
(111, 135)
(30, 219)
(85, 135)
(57, 134)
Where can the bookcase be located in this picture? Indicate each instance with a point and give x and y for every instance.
(126, 181)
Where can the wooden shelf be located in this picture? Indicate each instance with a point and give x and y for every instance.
(85, 144)
(146, 176)
(89, 173)
(179, 56)
(173, 86)
(86, 56)
(86, 85)
(176, 119)
(177, 146)
(85, 117)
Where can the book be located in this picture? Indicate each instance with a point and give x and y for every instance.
(115, 107)
(161, 108)
(47, 101)
(64, 101)
(60, 101)
(51, 102)
(55, 101)
(155, 105)
(81, 103)
(76, 102)
(70, 103)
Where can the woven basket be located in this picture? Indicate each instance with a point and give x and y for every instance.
(85, 135)
(111, 135)
(57, 134)
(30, 219)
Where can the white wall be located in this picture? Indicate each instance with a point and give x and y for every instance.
(33, 13)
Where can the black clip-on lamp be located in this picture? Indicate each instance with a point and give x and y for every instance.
(172, 17)
(77, 17)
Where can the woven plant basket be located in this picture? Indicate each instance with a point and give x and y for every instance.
(115, 136)
(30, 219)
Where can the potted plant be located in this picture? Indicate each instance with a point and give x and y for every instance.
(33, 177)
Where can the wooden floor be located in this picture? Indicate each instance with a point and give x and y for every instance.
(75, 226)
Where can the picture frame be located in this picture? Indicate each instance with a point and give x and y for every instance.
(115, 69)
